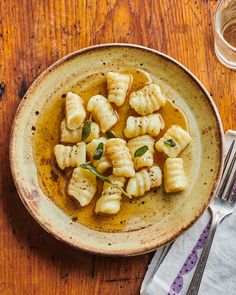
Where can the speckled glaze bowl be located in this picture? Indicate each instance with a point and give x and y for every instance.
(173, 213)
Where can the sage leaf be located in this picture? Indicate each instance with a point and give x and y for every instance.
(170, 142)
(94, 171)
(103, 178)
(122, 190)
(99, 151)
(86, 130)
(141, 151)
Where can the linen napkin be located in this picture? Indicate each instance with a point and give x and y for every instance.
(172, 275)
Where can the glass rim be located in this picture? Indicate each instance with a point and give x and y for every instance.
(218, 31)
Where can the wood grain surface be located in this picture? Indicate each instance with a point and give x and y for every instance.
(33, 35)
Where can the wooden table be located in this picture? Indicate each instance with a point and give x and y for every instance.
(33, 35)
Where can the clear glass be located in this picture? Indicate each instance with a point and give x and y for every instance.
(225, 33)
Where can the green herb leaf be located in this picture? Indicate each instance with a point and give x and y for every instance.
(170, 142)
(141, 151)
(123, 191)
(99, 151)
(103, 177)
(86, 130)
(94, 171)
(110, 134)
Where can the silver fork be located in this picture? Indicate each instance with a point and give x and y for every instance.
(222, 205)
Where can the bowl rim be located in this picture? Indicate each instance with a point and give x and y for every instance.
(51, 230)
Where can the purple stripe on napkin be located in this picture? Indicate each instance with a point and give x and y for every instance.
(189, 263)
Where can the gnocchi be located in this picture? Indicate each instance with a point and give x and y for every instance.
(110, 200)
(103, 112)
(173, 142)
(70, 136)
(70, 156)
(82, 186)
(144, 180)
(175, 179)
(74, 136)
(75, 112)
(145, 160)
(94, 133)
(118, 153)
(103, 164)
(118, 86)
(150, 124)
(147, 100)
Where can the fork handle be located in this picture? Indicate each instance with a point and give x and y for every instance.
(198, 273)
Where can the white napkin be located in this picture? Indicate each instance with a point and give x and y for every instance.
(174, 274)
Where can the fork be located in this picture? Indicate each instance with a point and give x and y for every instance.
(222, 205)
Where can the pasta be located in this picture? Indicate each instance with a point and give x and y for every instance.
(150, 124)
(82, 186)
(74, 136)
(118, 153)
(70, 156)
(103, 112)
(144, 180)
(95, 130)
(110, 200)
(173, 142)
(147, 100)
(75, 112)
(146, 160)
(102, 164)
(70, 136)
(175, 179)
(118, 86)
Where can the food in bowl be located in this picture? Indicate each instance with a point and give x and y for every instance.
(101, 160)
(142, 223)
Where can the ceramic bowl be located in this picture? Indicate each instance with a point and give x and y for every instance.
(165, 217)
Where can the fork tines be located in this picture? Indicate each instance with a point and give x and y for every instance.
(231, 192)
(228, 178)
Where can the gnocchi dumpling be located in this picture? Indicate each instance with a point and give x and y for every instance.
(102, 164)
(144, 180)
(94, 133)
(150, 124)
(110, 200)
(147, 100)
(118, 86)
(146, 160)
(74, 136)
(118, 153)
(82, 186)
(173, 142)
(103, 112)
(70, 156)
(69, 136)
(175, 179)
(75, 112)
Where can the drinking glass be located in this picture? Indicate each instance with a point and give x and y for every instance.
(225, 33)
